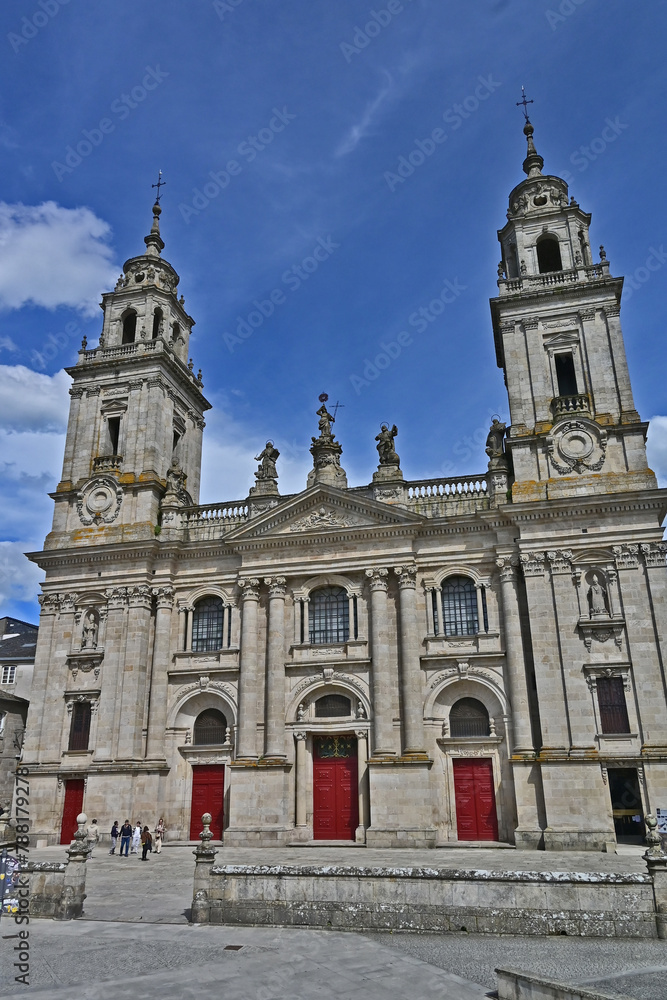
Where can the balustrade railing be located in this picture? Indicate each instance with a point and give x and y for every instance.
(551, 279)
(107, 463)
(562, 405)
(227, 514)
(451, 488)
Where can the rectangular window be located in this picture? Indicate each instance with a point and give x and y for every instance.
(565, 375)
(8, 674)
(80, 729)
(613, 710)
(114, 433)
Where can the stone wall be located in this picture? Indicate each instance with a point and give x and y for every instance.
(425, 899)
(521, 986)
(56, 889)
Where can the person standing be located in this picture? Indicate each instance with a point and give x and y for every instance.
(92, 836)
(125, 837)
(146, 843)
(114, 836)
(136, 838)
(159, 835)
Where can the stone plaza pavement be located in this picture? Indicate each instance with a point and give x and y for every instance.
(135, 940)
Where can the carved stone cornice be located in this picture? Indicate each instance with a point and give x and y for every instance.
(530, 323)
(612, 310)
(626, 556)
(655, 554)
(249, 589)
(277, 587)
(377, 579)
(586, 314)
(407, 577)
(506, 567)
(560, 560)
(532, 563)
(164, 597)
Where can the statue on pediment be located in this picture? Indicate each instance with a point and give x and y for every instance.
(385, 445)
(267, 462)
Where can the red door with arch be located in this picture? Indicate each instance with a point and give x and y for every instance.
(208, 787)
(335, 788)
(71, 809)
(474, 792)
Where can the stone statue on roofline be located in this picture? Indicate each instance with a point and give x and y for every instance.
(267, 462)
(326, 452)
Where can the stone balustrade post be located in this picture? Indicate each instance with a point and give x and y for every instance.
(275, 669)
(157, 719)
(656, 862)
(246, 746)
(74, 882)
(411, 676)
(383, 735)
(204, 859)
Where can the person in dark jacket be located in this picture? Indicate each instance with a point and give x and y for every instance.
(125, 838)
(146, 843)
(114, 836)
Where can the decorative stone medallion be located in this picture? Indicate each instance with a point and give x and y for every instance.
(577, 446)
(99, 501)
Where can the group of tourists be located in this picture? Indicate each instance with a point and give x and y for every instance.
(131, 838)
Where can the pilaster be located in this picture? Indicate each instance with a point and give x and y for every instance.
(249, 670)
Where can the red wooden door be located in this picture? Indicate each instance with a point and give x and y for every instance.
(475, 800)
(208, 784)
(335, 788)
(71, 809)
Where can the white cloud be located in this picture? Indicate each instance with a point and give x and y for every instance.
(52, 256)
(19, 578)
(228, 463)
(32, 402)
(7, 344)
(362, 128)
(656, 447)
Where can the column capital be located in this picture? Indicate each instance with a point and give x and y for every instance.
(560, 560)
(249, 589)
(140, 597)
(407, 577)
(277, 586)
(532, 563)
(49, 603)
(507, 568)
(164, 596)
(377, 579)
(626, 556)
(116, 597)
(67, 602)
(300, 736)
(361, 734)
(654, 554)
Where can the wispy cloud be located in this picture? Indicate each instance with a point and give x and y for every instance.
(364, 126)
(656, 448)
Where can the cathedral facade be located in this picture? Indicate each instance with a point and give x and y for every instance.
(475, 658)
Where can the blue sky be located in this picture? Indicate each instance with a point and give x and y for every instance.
(280, 126)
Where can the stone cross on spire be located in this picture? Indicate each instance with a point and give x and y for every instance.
(533, 163)
(154, 242)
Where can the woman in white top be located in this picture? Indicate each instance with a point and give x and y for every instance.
(159, 835)
(136, 839)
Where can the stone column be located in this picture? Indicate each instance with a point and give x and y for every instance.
(275, 669)
(517, 685)
(114, 652)
(383, 735)
(480, 607)
(411, 678)
(246, 746)
(301, 805)
(362, 780)
(157, 719)
(133, 698)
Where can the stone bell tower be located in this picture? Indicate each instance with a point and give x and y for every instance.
(135, 425)
(574, 428)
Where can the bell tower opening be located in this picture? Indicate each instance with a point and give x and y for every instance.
(566, 375)
(548, 254)
(129, 327)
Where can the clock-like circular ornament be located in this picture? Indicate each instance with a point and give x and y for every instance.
(98, 502)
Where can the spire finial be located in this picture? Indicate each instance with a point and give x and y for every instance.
(533, 163)
(154, 242)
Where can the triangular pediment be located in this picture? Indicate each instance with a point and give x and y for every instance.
(323, 509)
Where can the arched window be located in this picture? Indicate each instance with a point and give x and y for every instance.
(157, 320)
(468, 717)
(331, 706)
(175, 331)
(548, 255)
(210, 727)
(329, 616)
(207, 625)
(129, 327)
(459, 606)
